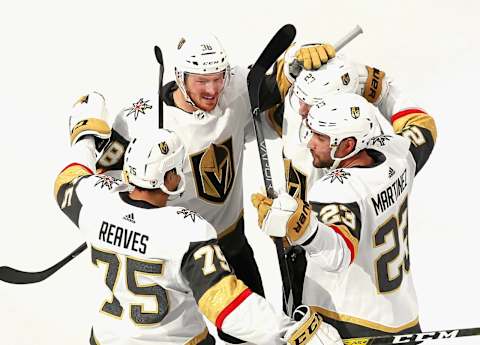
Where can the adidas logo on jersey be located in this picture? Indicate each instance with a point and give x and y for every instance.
(391, 172)
(130, 218)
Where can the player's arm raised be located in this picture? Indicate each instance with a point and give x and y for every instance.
(89, 132)
(287, 68)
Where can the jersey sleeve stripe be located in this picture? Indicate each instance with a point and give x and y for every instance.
(414, 117)
(218, 297)
(69, 173)
(231, 307)
(407, 112)
(351, 241)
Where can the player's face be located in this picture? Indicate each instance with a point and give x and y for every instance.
(303, 108)
(204, 89)
(319, 146)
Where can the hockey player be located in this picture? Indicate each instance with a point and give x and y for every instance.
(150, 281)
(208, 103)
(308, 88)
(355, 229)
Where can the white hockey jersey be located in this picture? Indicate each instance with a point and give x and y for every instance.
(214, 143)
(366, 210)
(155, 265)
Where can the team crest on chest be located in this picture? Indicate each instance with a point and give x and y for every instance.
(138, 107)
(337, 175)
(106, 181)
(213, 171)
(296, 180)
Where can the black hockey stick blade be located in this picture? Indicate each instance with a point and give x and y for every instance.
(413, 337)
(13, 276)
(159, 57)
(274, 49)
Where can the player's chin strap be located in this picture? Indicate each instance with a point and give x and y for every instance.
(172, 195)
(336, 161)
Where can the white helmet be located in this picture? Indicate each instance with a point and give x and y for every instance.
(341, 116)
(200, 54)
(335, 76)
(148, 159)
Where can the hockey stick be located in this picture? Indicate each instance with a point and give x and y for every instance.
(13, 276)
(410, 338)
(277, 45)
(159, 57)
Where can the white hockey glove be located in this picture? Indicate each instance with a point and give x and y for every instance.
(309, 57)
(285, 216)
(89, 117)
(311, 329)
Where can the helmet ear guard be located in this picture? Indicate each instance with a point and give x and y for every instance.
(341, 116)
(200, 54)
(147, 161)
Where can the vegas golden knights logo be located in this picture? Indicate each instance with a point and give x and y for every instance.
(214, 171)
(346, 79)
(355, 111)
(163, 147)
(296, 180)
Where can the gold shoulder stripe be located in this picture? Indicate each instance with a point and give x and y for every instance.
(218, 297)
(373, 85)
(414, 117)
(350, 240)
(90, 124)
(364, 323)
(71, 172)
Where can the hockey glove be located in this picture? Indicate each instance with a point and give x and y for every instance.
(285, 216)
(311, 329)
(309, 57)
(89, 117)
(313, 56)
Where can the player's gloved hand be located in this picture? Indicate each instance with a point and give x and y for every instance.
(313, 56)
(309, 57)
(285, 216)
(311, 329)
(111, 159)
(89, 117)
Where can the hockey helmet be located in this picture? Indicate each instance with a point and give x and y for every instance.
(200, 54)
(341, 116)
(335, 76)
(148, 159)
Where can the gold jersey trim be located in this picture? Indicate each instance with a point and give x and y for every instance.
(231, 227)
(416, 118)
(219, 296)
(90, 124)
(70, 173)
(361, 322)
(198, 338)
